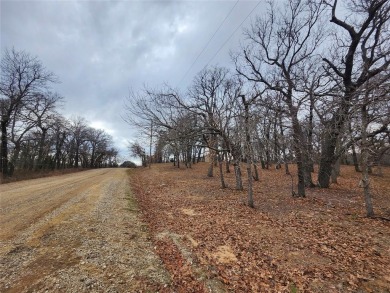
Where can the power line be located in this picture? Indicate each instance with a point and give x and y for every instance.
(223, 45)
(204, 48)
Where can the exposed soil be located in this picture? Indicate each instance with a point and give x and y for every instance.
(76, 233)
(210, 241)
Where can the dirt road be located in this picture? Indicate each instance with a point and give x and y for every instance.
(75, 233)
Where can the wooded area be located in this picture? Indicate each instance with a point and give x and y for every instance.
(34, 135)
(310, 87)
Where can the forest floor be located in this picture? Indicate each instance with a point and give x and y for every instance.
(211, 241)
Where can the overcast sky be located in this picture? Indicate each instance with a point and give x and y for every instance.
(101, 49)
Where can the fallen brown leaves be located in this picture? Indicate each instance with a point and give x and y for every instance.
(210, 241)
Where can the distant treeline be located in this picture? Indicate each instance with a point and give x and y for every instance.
(34, 135)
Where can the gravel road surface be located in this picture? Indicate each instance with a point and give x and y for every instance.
(79, 232)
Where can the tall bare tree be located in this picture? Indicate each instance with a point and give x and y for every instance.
(79, 130)
(361, 51)
(22, 77)
(43, 112)
(280, 44)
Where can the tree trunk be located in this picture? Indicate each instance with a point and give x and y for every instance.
(227, 163)
(354, 155)
(76, 159)
(14, 160)
(330, 142)
(365, 166)
(199, 154)
(189, 156)
(298, 143)
(256, 177)
(92, 163)
(262, 163)
(355, 159)
(220, 161)
(306, 148)
(286, 167)
(267, 155)
(150, 144)
(24, 157)
(210, 171)
(238, 175)
(335, 171)
(236, 154)
(193, 155)
(248, 154)
(213, 155)
(333, 175)
(283, 147)
(39, 164)
(4, 149)
(59, 143)
(276, 145)
(310, 161)
(326, 161)
(301, 169)
(308, 180)
(308, 166)
(250, 183)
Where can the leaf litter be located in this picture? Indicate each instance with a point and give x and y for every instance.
(213, 242)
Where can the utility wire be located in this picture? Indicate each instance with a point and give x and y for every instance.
(223, 45)
(205, 47)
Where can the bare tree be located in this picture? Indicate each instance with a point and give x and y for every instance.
(22, 77)
(361, 52)
(60, 131)
(99, 141)
(373, 105)
(43, 112)
(214, 98)
(280, 44)
(137, 150)
(203, 117)
(248, 144)
(208, 100)
(19, 131)
(79, 130)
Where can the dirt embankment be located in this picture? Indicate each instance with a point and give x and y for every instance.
(76, 233)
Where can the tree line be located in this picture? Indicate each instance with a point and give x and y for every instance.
(34, 135)
(310, 86)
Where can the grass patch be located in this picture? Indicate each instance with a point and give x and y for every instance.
(293, 288)
(132, 205)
